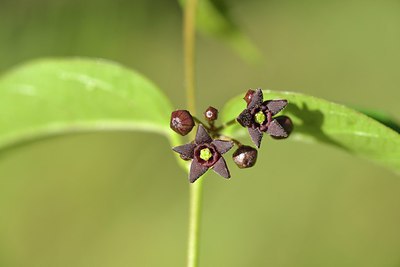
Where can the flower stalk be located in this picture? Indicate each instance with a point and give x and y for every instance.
(195, 202)
(207, 149)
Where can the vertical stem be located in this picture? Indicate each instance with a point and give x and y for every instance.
(189, 20)
(194, 223)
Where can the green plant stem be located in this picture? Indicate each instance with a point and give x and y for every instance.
(227, 124)
(196, 190)
(189, 18)
(189, 36)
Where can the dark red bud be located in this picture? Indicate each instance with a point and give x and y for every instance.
(211, 114)
(181, 122)
(249, 96)
(287, 125)
(245, 157)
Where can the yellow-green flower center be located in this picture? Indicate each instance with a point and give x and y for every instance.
(259, 117)
(205, 154)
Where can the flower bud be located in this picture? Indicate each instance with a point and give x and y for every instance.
(245, 157)
(181, 122)
(287, 125)
(211, 114)
(249, 96)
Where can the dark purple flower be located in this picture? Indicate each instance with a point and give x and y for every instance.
(206, 153)
(258, 117)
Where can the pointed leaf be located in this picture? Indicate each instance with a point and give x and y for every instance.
(59, 96)
(322, 121)
(382, 117)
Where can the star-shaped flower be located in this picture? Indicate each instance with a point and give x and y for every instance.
(205, 153)
(258, 117)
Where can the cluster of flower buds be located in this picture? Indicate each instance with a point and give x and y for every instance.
(209, 145)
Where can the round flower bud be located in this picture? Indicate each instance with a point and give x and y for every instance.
(211, 114)
(245, 157)
(249, 96)
(287, 125)
(181, 122)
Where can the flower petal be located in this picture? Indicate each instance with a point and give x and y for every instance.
(202, 136)
(275, 106)
(275, 129)
(245, 118)
(186, 151)
(222, 146)
(196, 170)
(256, 136)
(221, 168)
(287, 125)
(256, 100)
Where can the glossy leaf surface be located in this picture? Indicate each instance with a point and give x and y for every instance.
(59, 96)
(318, 120)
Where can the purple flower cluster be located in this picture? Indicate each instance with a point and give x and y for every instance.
(207, 153)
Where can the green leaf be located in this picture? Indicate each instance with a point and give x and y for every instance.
(318, 120)
(214, 20)
(59, 96)
(382, 117)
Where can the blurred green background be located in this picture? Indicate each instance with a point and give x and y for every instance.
(90, 200)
